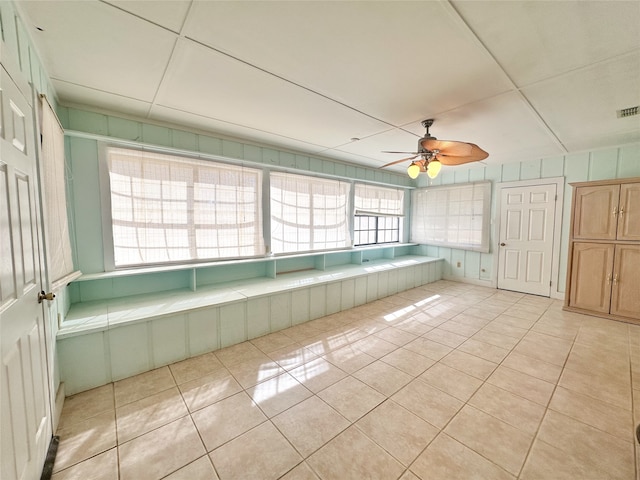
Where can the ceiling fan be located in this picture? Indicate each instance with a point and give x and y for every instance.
(433, 153)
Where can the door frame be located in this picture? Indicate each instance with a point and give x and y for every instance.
(559, 182)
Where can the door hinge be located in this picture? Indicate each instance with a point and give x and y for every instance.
(551, 283)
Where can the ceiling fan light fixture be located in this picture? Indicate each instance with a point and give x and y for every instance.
(433, 168)
(413, 170)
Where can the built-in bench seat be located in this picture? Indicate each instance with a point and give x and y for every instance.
(104, 340)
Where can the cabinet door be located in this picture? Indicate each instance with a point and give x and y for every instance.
(595, 216)
(625, 294)
(591, 270)
(629, 212)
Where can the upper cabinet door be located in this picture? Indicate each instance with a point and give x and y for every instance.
(629, 212)
(596, 212)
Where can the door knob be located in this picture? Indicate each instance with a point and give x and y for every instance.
(503, 244)
(45, 296)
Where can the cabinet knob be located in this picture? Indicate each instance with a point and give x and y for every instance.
(503, 244)
(615, 279)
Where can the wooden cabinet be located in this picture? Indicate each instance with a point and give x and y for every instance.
(603, 276)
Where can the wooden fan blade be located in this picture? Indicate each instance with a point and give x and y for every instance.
(476, 155)
(448, 147)
(398, 161)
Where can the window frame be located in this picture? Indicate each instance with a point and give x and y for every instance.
(106, 210)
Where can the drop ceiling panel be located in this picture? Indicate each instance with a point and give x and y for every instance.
(235, 132)
(504, 126)
(392, 60)
(372, 147)
(102, 100)
(581, 106)
(167, 13)
(101, 47)
(205, 82)
(537, 40)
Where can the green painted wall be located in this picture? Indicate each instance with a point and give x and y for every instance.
(615, 162)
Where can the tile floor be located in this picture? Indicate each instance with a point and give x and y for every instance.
(445, 381)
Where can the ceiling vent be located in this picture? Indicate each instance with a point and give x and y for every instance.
(628, 112)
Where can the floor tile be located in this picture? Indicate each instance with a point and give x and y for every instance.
(140, 386)
(85, 405)
(194, 367)
(547, 352)
(398, 431)
(396, 336)
(254, 371)
(445, 337)
(260, 453)
(310, 424)
(272, 342)
(149, 413)
(504, 328)
(522, 384)
(351, 398)
(451, 381)
(463, 329)
(532, 366)
(301, 471)
(447, 459)
(588, 444)
(408, 361)
(496, 339)
(352, 455)
(383, 377)
(317, 374)
(101, 467)
(494, 439)
(200, 469)
(349, 359)
(548, 462)
(470, 364)
(508, 407)
(226, 419)
(484, 350)
(277, 394)
(427, 402)
(160, 452)
(603, 416)
(374, 346)
(428, 348)
(239, 353)
(292, 356)
(601, 387)
(209, 389)
(82, 440)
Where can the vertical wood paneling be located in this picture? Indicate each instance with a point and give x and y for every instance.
(603, 164)
(530, 170)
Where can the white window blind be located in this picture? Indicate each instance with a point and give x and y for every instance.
(166, 208)
(374, 200)
(58, 243)
(456, 216)
(308, 213)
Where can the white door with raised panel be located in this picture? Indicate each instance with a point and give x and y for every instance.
(25, 418)
(527, 218)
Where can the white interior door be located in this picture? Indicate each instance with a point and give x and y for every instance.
(527, 218)
(25, 425)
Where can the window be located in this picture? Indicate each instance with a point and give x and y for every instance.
(166, 208)
(58, 243)
(453, 216)
(308, 213)
(378, 214)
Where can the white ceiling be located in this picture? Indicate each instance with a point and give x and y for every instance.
(522, 79)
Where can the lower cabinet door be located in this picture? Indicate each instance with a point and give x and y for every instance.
(591, 276)
(625, 293)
